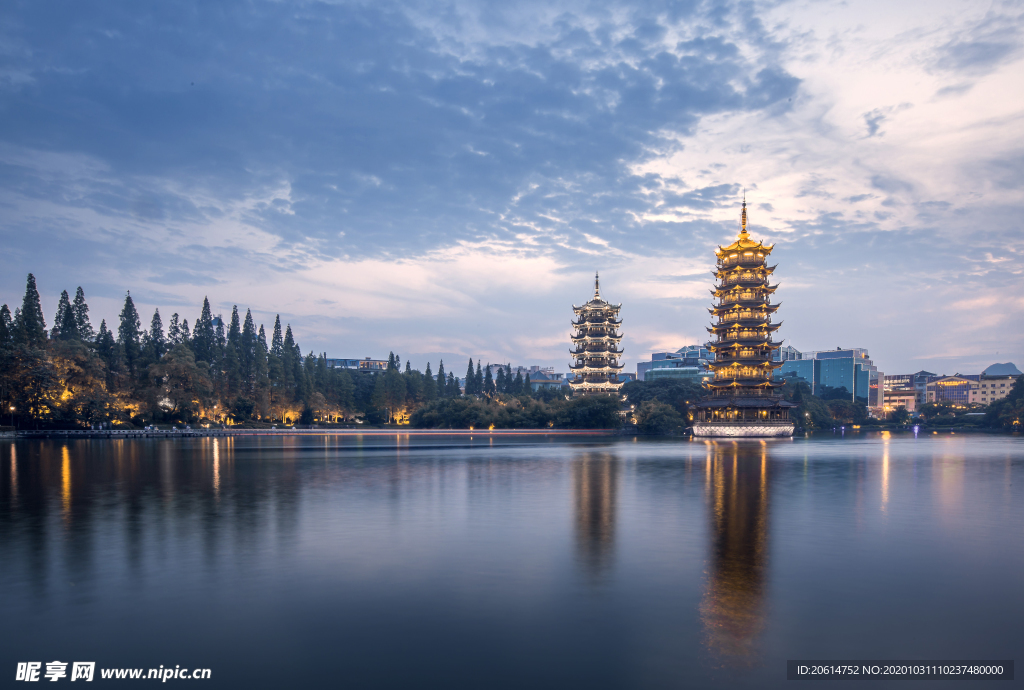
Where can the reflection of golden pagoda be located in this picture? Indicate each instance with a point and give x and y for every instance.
(596, 346)
(733, 607)
(742, 399)
(595, 484)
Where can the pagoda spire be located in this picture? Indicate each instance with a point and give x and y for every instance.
(743, 218)
(597, 285)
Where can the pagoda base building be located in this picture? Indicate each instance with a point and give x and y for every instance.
(741, 400)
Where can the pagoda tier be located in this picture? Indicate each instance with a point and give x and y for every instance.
(596, 346)
(741, 398)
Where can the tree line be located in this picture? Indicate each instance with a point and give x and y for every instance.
(214, 372)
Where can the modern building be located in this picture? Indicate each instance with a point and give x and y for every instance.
(786, 353)
(689, 362)
(336, 363)
(849, 368)
(952, 389)
(897, 398)
(741, 399)
(596, 345)
(916, 382)
(994, 383)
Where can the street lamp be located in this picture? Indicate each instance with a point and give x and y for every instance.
(12, 415)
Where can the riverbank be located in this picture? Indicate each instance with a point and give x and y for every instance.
(210, 433)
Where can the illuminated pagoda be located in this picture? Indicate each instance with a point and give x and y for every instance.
(596, 346)
(741, 399)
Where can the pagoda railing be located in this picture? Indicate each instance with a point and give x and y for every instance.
(745, 334)
(732, 373)
(743, 278)
(744, 393)
(742, 316)
(744, 297)
(742, 260)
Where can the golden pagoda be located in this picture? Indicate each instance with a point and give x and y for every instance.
(741, 398)
(596, 345)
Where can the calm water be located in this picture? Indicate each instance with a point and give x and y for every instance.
(292, 562)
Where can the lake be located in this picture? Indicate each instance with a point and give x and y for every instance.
(500, 562)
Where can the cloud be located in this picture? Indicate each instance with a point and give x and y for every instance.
(395, 175)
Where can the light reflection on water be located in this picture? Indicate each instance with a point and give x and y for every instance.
(391, 562)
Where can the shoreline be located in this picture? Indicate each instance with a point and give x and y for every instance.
(218, 433)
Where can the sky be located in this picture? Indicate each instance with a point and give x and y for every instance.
(443, 179)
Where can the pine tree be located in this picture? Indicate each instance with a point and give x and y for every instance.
(31, 326)
(68, 329)
(500, 385)
(174, 331)
(275, 363)
(442, 381)
(478, 379)
(248, 353)
(58, 319)
(155, 341)
(391, 361)
(106, 348)
(429, 385)
(453, 386)
(186, 335)
(6, 326)
(470, 379)
(408, 369)
(81, 310)
(129, 333)
(232, 355)
(517, 384)
(488, 382)
(204, 340)
(527, 386)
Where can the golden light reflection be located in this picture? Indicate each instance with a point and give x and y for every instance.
(14, 472)
(595, 488)
(216, 467)
(65, 481)
(885, 471)
(733, 607)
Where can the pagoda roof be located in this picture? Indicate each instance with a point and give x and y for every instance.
(596, 303)
(743, 241)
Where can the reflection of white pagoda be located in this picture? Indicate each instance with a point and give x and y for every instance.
(596, 346)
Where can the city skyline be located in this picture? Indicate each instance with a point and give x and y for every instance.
(443, 186)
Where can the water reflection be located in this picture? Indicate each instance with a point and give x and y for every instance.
(733, 607)
(595, 480)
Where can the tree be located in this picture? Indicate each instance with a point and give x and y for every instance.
(6, 326)
(442, 381)
(232, 354)
(900, 416)
(429, 387)
(590, 412)
(31, 326)
(81, 309)
(527, 386)
(500, 384)
(488, 386)
(655, 417)
(470, 378)
(204, 338)
(129, 334)
(183, 384)
(174, 330)
(478, 379)
(452, 386)
(156, 343)
(64, 326)
(394, 393)
(517, 384)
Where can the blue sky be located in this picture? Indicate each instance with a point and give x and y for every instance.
(443, 179)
